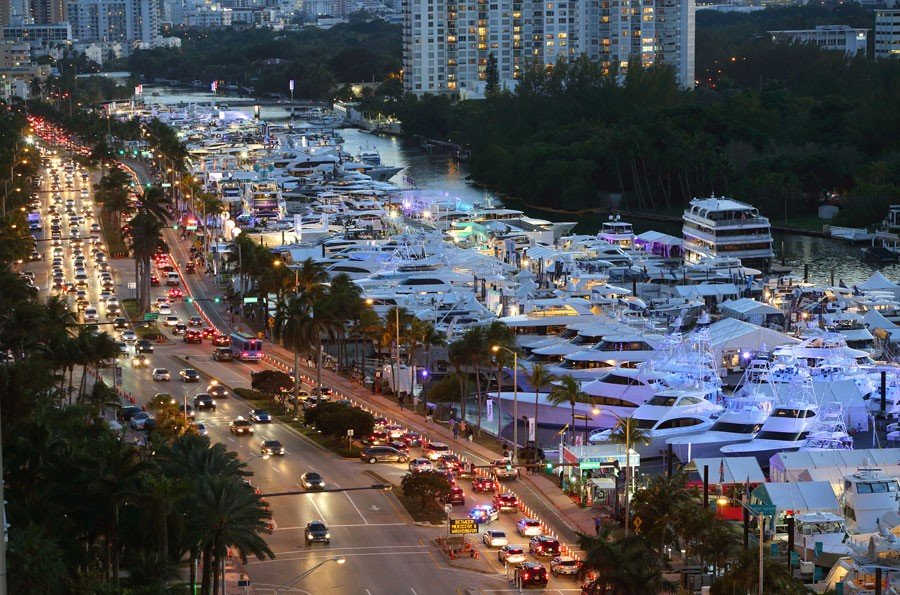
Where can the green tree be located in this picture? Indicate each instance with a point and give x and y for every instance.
(539, 377)
(427, 487)
(624, 567)
(567, 391)
(491, 76)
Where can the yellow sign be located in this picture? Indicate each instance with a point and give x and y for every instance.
(463, 526)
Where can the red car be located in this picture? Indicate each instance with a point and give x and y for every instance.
(506, 501)
(376, 437)
(412, 438)
(456, 496)
(192, 336)
(211, 333)
(450, 462)
(175, 293)
(154, 280)
(221, 341)
(483, 485)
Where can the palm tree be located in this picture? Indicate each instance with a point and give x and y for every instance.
(161, 495)
(227, 514)
(311, 279)
(625, 567)
(501, 336)
(567, 391)
(458, 357)
(294, 335)
(539, 377)
(146, 238)
(307, 325)
(743, 577)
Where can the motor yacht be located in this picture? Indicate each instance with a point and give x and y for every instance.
(612, 351)
(741, 421)
(786, 429)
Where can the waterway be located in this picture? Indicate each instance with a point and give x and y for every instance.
(440, 172)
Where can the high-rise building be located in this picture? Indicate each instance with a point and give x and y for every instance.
(46, 12)
(448, 44)
(887, 33)
(114, 21)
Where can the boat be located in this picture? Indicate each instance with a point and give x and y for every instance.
(785, 429)
(719, 226)
(741, 421)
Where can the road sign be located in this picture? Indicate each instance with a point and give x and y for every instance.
(132, 285)
(166, 185)
(463, 526)
(251, 300)
(763, 509)
(148, 316)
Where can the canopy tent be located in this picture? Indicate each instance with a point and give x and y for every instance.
(750, 310)
(661, 244)
(878, 281)
(797, 466)
(717, 292)
(808, 496)
(731, 470)
(733, 335)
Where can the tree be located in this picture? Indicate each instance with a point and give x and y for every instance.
(270, 381)
(567, 391)
(539, 377)
(624, 567)
(743, 577)
(38, 561)
(661, 505)
(146, 233)
(334, 419)
(491, 77)
(428, 487)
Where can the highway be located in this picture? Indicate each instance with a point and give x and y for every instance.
(385, 551)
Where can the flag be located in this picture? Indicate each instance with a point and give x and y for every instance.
(139, 90)
(291, 85)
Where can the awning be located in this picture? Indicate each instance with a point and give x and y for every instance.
(731, 470)
(604, 483)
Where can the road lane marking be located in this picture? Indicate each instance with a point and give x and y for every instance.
(326, 553)
(351, 525)
(353, 547)
(413, 591)
(316, 506)
(358, 511)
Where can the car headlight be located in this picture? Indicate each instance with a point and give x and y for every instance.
(328, 536)
(213, 401)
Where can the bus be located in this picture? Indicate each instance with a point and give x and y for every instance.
(245, 347)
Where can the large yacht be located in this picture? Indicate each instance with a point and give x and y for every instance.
(715, 227)
(786, 429)
(612, 351)
(617, 232)
(669, 413)
(741, 421)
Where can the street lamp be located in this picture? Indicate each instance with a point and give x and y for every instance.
(627, 421)
(305, 574)
(515, 354)
(725, 500)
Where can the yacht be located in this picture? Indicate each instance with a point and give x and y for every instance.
(721, 226)
(617, 232)
(621, 391)
(786, 429)
(668, 414)
(831, 431)
(741, 421)
(612, 351)
(824, 528)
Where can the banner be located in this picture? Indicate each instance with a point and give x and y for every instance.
(139, 90)
(213, 86)
(490, 409)
(291, 85)
(531, 429)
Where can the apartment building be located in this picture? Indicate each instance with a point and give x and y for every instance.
(132, 22)
(887, 33)
(837, 38)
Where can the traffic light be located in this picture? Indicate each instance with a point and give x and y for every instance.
(217, 299)
(175, 226)
(189, 300)
(121, 152)
(549, 467)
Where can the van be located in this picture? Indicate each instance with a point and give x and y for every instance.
(173, 279)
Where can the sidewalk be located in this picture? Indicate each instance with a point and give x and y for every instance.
(540, 494)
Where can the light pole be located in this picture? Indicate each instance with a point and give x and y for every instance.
(627, 424)
(515, 354)
(305, 574)
(724, 500)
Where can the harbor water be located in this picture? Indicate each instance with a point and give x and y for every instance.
(441, 172)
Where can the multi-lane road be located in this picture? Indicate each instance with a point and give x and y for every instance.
(384, 551)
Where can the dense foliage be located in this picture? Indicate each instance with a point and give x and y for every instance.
(766, 131)
(264, 60)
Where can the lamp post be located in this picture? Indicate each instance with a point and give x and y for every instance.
(627, 424)
(722, 501)
(515, 354)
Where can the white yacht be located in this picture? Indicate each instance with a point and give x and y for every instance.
(786, 429)
(622, 390)
(721, 226)
(612, 351)
(617, 232)
(668, 414)
(741, 421)
(831, 432)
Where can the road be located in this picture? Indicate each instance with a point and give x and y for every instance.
(385, 552)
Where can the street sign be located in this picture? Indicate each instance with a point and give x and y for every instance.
(132, 285)
(148, 316)
(463, 526)
(166, 185)
(251, 300)
(763, 509)
(582, 417)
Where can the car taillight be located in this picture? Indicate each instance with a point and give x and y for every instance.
(525, 576)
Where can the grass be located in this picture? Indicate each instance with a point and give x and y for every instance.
(112, 234)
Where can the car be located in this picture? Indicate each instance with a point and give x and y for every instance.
(504, 469)
(179, 329)
(511, 554)
(271, 447)
(529, 527)
(126, 413)
(420, 465)
(175, 293)
(189, 375)
(450, 462)
(241, 426)
(35, 256)
(123, 348)
(144, 346)
(394, 431)
(494, 538)
(506, 501)
(164, 309)
(204, 401)
(221, 340)
(398, 444)
(543, 545)
(161, 374)
(412, 438)
(376, 437)
(484, 513)
(190, 411)
(141, 421)
(154, 280)
(383, 454)
(456, 496)
(129, 336)
(209, 332)
(172, 278)
(120, 324)
(222, 354)
(171, 320)
(434, 450)
(217, 391)
(140, 361)
(90, 314)
(531, 573)
(312, 481)
(564, 565)
(192, 336)
(195, 320)
(316, 531)
(190, 268)
(483, 485)
(260, 416)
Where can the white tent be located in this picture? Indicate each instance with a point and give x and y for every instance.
(733, 335)
(718, 292)
(878, 281)
(749, 310)
(731, 470)
(806, 496)
(798, 466)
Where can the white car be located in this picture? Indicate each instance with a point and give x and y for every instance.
(165, 310)
(511, 554)
(529, 527)
(129, 336)
(161, 374)
(171, 320)
(419, 465)
(494, 538)
(90, 314)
